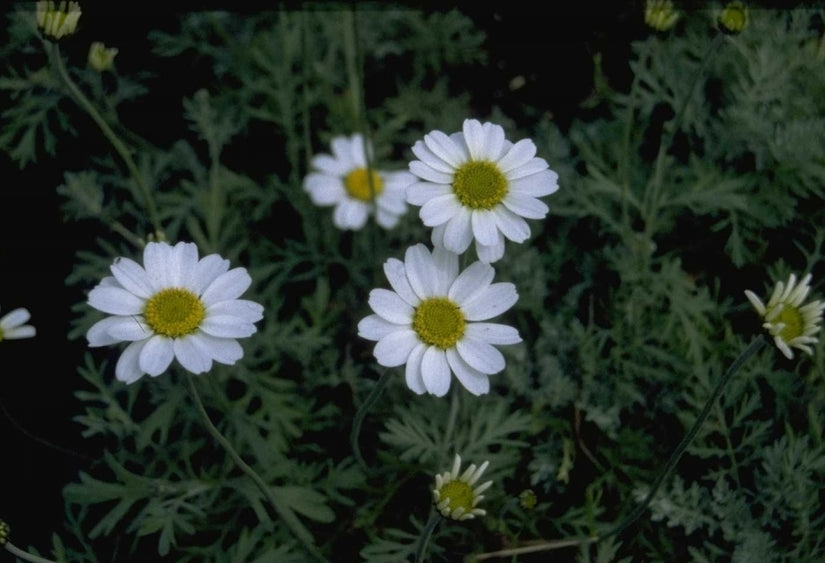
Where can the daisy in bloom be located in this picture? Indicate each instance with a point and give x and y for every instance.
(455, 496)
(430, 322)
(12, 325)
(792, 324)
(343, 180)
(475, 184)
(175, 306)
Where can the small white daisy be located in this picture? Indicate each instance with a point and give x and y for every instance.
(475, 184)
(455, 496)
(430, 322)
(12, 325)
(342, 179)
(174, 306)
(791, 324)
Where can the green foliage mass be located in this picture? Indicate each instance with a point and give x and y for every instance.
(702, 177)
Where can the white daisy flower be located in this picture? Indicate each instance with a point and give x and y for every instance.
(454, 494)
(13, 325)
(175, 306)
(791, 324)
(430, 322)
(342, 179)
(475, 184)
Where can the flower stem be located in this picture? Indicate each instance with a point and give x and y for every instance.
(362, 412)
(24, 555)
(426, 534)
(752, 349)
(283, 511)
(107, 131)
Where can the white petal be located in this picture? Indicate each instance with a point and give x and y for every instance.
(374, 327)
(439, 210)
(24, 331)
(225, 351)
(531, 168)
(412, 372)
(475, 138)
(537, 185)
(519, 154)
(445, 148)
(492, 253)
(229, 285)
(419, 193)
(495, 142)
(330, 166)
(435, 371)
(492, 333)
(115, 301)
(206, 271)
(241, 308)
(480, 355)
(390, 306)
(350, 215)
(14, 318)
(484, 227)
(458, 232)
(493, 301)
(128, 328)
(429, 158)
(525, 205)
(128, 369)
(476, 278)
(511, 225)
(184, 257)
(394, 349)
(227, 326)
(156, 355)
(420, 271)
(193, 353)
(446, 269)
(430, 174)
(397, 276)
(473, 380)
(98, 333)
(324, 190)
(132, 277)
(155, 260)
(343, 150)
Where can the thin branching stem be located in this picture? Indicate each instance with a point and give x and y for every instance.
(362, 412)
(426, 534)
(121, 149)
(283, 511)
(25, 555)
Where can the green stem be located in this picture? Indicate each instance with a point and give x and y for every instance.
(107, 131)
(283, 511)
(752, 349)
(362, 412)
(451, 419)
(426, 534)
(24, 555)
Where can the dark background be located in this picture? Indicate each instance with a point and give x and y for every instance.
(553, 51)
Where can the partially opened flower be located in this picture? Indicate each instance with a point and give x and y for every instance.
(431, 321)
(175, 306)
(13, 325)
(57, 20)
(343, 180)
(454, 494)
(792, 324)
(477, 185)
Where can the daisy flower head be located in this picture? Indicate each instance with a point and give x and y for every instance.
(431, 321)
(477, 185)
(792, 324)
(344, 180)
(57, 19)
(13, 325)
(174, 306)
(454, 494)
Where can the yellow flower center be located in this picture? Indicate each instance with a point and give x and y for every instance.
(459, 494)
(793, 321)
(479, 184)
(358, 185)
(174, 312)
(439, 322)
